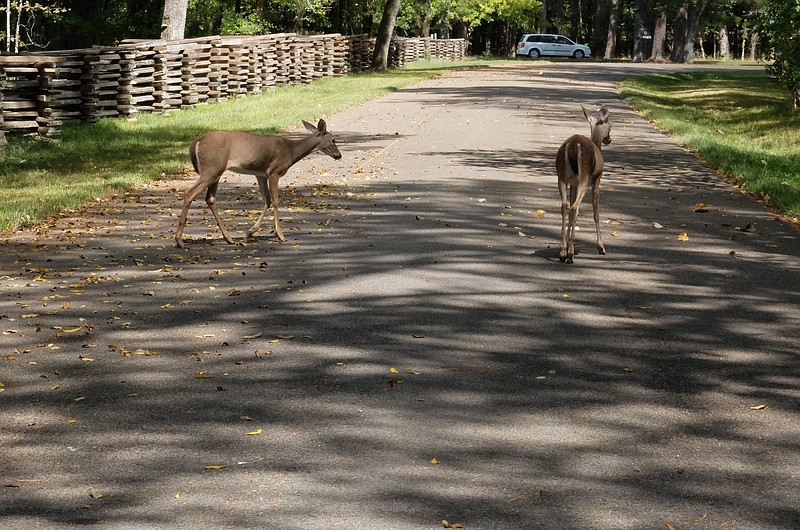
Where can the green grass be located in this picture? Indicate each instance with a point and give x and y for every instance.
(741, 123)
(40, 178)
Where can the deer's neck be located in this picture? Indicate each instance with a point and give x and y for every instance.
(597, 137)
(299, 149)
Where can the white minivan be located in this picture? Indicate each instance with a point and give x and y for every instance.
(535, 45)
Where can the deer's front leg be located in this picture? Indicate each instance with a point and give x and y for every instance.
(262, 186)
(273, 197)
(574, 210)
(596, 209)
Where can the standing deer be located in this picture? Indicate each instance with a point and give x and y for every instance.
(579, 164)
(267, 157)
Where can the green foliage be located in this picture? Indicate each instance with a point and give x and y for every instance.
(780, 21)
(739, 123)
(520, 13)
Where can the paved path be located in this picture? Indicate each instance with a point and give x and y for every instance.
(618, 392)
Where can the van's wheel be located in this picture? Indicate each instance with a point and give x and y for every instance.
(534, 53)
(578, 54)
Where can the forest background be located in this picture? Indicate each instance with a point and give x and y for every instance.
(658, 30)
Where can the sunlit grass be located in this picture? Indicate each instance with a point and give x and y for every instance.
(741, 123)
(39, 178)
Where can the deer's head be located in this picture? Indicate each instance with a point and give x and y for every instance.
(599, 124)
(326, 143)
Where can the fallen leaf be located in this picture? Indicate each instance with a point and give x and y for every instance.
(615, 233)
(214, 467)
(700, 207)
(85, 359)
(540, 214)
(177, 495)
(95, 495)
(245, 418)
(446, 524)
(669, 526)
(393, 370)
(413, 372)
(254, 433)
(434, 461)
(760, 407)
(254, 336)
(683, 236)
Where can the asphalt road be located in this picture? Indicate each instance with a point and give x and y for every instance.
(415, 351)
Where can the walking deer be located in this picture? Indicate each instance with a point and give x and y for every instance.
(579, 164)
(267, 157)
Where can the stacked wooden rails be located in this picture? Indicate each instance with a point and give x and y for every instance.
(40, 92)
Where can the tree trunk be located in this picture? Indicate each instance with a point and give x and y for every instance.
(425, 29)
(380, 60)
(173, 23)
(299, 14)
(576, 20)
(597, 37)
(679, 34)
(640, 30)
(753, 45)
(543, 18)
(613, 28)
(693, 28)
(658, 54)
(725, 43)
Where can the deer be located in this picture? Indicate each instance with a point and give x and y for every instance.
(267, 157)
(579, 164)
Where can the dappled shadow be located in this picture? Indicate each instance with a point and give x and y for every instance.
(614, 393)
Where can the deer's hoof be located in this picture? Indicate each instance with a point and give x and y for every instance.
(601, 251)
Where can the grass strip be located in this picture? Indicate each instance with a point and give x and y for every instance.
(741, 123)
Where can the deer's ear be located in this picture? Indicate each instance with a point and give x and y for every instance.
(604, 112)
(310, 127)
(322, 126)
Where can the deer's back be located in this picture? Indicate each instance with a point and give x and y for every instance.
(577, 156)
(233, 149)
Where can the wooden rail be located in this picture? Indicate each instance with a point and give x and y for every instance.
(39, 92)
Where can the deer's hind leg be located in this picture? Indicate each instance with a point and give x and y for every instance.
(211, 197)
(191, 194)
(562, 189)
(576, 197)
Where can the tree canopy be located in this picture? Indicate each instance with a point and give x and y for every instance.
(635, 29)
(779, 23)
